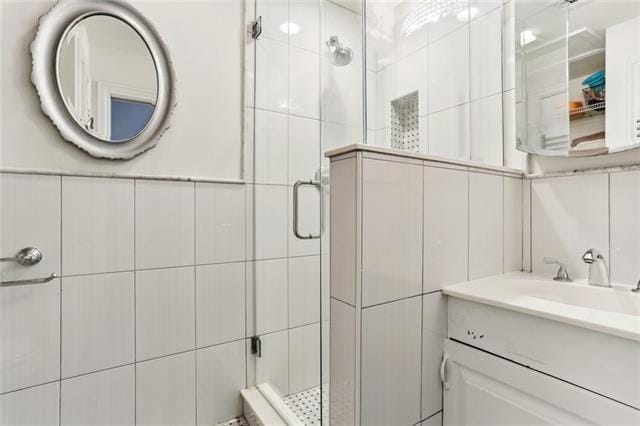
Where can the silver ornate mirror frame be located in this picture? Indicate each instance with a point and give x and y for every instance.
(44, 50)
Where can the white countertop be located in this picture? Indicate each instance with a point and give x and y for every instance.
(613, 310)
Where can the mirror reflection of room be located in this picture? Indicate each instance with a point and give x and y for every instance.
(107, 78)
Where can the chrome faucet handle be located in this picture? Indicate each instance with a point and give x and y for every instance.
(563, 274)
(637, 289)
(591, 256)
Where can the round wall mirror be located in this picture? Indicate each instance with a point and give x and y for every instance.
(103, 76)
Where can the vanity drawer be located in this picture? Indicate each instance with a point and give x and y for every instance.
(602, 363)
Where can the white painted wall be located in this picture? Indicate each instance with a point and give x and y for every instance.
(206, 43)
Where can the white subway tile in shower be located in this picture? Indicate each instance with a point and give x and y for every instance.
(267, 217)
(304, 148)
(273, 366)
(486, 55)
(266, 296)
(449, 133)
(165, 312)
(97, 225)
(19, 408)
(304, 290)
(97, 322)
(270, 148)
(305, 14)
(166, 390)
(274, 13)
(449, 70)
(220, 223)
(304, 83)
(486, 130)
(220, 303)
(304, 357)
(271, 82)
(411, 76)
(103, 398)
(164, 224)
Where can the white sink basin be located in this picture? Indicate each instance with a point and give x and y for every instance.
(613, 310)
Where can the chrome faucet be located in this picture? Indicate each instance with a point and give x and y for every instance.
(637, 289)
(598, 271)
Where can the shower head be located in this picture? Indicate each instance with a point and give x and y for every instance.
(341, 55)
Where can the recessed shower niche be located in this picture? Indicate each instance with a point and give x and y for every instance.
(405, 132)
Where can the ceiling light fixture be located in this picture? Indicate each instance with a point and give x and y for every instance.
(290, 28)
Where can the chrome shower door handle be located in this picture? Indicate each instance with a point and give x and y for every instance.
(296, 189)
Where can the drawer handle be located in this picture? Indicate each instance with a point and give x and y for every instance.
(445, 358)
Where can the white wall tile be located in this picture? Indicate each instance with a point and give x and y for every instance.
(266, 296)
(342, 372)
(166, 390)
(625, 230)
(221, 375)
(390, 392)
(449, 70)
(304, 148)
(30, 335)
(512, 224)
(372, 102)
(272, 75)
(165, 312)
(104, 398)
(435, 420)
(270, 148)
(97, 225)
(508, 46)
(304, 83)
(304, 357)
(305, 14)
(391, 231)
(220, 223)
(485, 225)
(486, 55)
(164, 224)
(274, 13)
(449, 23)
(486, 130)
(97, 322)
(343, 226)
(423, 132)
(220, 303)
(33, 406)
(483, 7)
(513, 158)
(266, 221)
(526, 225)
(449, 133)
(560, 227)
(304, 290)
(385, 92)
(273, 366)
(446, 215)
(411, 76)
(29, 217)
(434, 331)
(308, 221)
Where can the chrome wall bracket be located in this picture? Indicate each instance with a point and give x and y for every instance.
(255, 28)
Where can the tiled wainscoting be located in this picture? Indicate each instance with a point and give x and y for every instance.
(150, 321)
(570, 214)
(401, 229)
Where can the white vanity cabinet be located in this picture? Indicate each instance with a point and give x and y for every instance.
(483, 389)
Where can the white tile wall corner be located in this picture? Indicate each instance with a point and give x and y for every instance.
(165, 312)
(164, 224)
(449, 70)
(569, 216)
(266, 296)
(486, 55)
(342, 380)
(97, 225)
(273, 366)
(165, 390)
(97, 322)
(486, 130)
(103, 398)
(272, 75)
(625, 231)
(446, 234)
(391, 231)
(485, 225)
(304, 148)
(270, 148)
(305, 13)
(38, 405)
(304, 83)
(221, 373)
(304, 290)
(449, 133)
(220, 223)
(343, 226)
(513, 224)
(304, 357)
(30, 216)
(220, 303)
(391, 340)
(267, 216)
(30, 333)
(434, 331)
